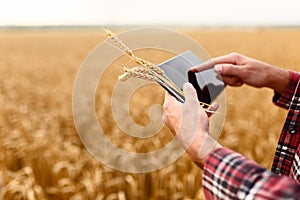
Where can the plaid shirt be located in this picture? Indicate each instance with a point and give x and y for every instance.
(229, 175)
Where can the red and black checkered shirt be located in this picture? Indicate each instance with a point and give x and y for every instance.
(229, 175)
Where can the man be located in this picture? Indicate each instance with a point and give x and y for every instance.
(227, 174)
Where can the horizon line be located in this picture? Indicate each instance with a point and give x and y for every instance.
(138, 26)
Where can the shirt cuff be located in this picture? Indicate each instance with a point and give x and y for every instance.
(283, 100)
(227, 174)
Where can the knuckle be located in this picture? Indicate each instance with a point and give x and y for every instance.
(165, 106)
(235, 54)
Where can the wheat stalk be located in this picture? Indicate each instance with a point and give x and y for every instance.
(130, 53)
(138, 72)
(148, 70)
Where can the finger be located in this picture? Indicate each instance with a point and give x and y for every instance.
(219, 76)
(166, 94)
(229, 69)
(170, 105)
(212, 109)
(232, 80)
(170, 102)
(164, 117)
(232, 58)
(190, 94)
(203, 66)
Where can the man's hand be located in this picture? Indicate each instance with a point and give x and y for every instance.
(189, 123)
(236, 69)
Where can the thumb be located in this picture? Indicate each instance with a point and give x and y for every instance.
(189, 91)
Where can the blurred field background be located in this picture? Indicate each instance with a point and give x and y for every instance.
(41, 156)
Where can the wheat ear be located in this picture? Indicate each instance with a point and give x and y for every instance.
(130, 53)
(149, 70)
(138, 72)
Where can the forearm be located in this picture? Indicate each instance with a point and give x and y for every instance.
(277, 78)
(228, 175)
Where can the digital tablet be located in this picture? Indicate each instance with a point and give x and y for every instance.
(206, 83)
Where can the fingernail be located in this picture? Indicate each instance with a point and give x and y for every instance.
(218, 68)
(193, 69)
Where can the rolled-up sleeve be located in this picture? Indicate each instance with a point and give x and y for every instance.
(283, 100)
(229, 175)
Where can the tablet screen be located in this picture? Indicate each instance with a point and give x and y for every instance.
(206, 83)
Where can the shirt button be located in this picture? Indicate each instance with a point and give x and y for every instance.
(292, 130)
(277, 172)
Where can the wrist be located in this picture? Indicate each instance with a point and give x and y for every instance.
(278, 79)
(201, 162)
(199, 154)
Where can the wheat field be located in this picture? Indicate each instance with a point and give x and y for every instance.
(41, 155)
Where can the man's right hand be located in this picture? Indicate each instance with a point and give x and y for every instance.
(236, 69)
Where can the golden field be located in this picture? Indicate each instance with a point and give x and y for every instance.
(41, 155)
